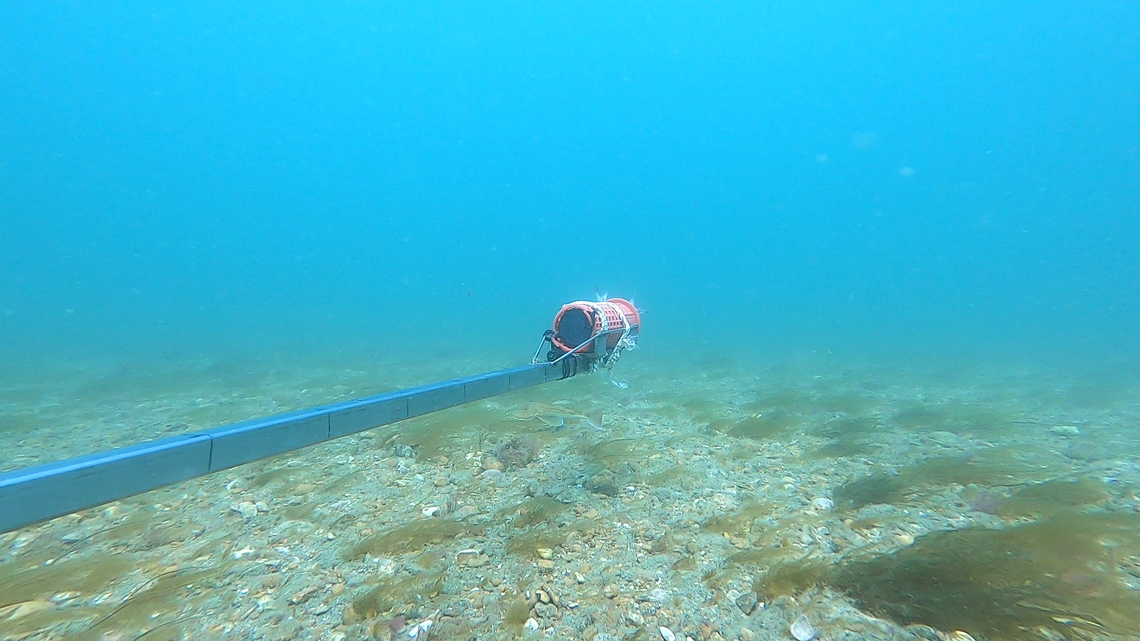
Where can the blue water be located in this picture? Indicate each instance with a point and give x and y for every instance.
(887, 178)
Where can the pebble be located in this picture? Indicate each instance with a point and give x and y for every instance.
(921, 631)
(610, 591)
(303, 595)
(471, 558)
(1064, 430)
(271, 580)
(545, 553)
(246, 509)
(823, 504)
(420, 629)
(802, 629)
(667, 634)
(747, 603)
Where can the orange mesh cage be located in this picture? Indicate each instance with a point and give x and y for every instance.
(580, 321)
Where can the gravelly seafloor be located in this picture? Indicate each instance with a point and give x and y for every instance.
(721, 501)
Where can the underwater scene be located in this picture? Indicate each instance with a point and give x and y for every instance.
(882, 381)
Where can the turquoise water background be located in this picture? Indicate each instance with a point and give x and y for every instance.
(898, 179)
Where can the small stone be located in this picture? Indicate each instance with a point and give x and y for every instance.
(591, 514)
(823, 504)
(271, 581)
(579, 579)
(420, 630)
(440, 481)
(959, 635)
(246, 509)
(921, 631)
(634, 619)
(320, 609)
(545, 564)
(543, 596)
(747, 603)
(610, 591)
(491, 463)
(802, 629)
(491, 474)
(545, 553)
(471, 558)
(667, 634)
(531, 624)
(783, 601)
(603, 483)
(1064, 430)
(303, 595)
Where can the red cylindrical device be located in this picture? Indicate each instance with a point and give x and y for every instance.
(578, 322)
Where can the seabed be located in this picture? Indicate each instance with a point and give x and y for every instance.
(723, 502)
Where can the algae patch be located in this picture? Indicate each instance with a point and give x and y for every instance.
(407, 538)
(393, 592)
(1051, 579)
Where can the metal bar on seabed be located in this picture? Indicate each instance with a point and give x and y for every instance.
(42, 492)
